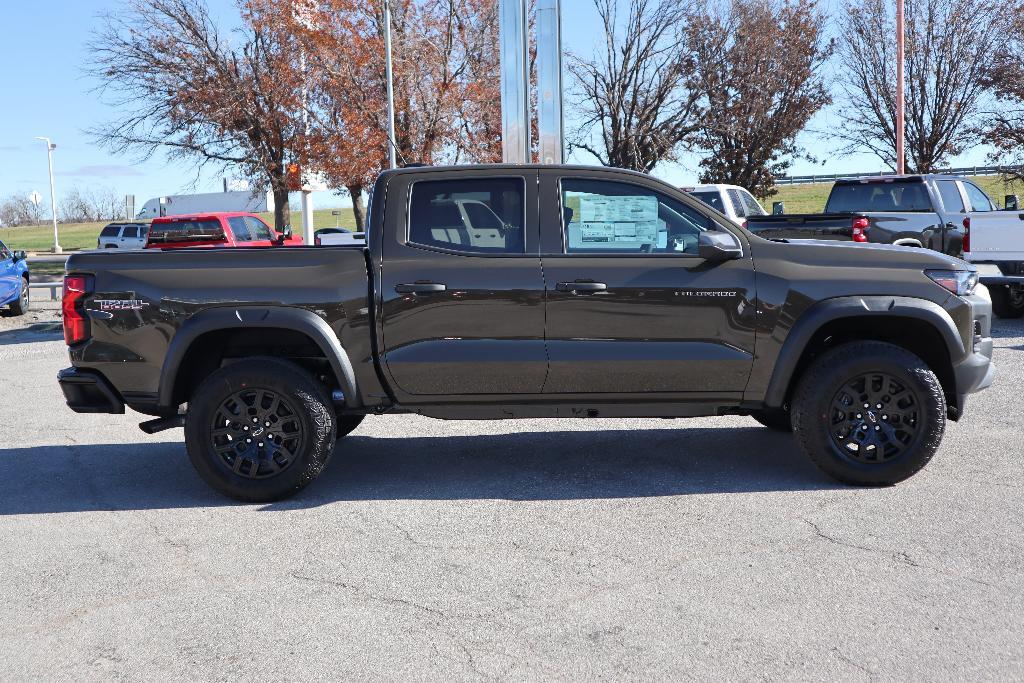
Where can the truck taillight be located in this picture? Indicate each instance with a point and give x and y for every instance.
(967, 234)
(76, 323)
(860, 226)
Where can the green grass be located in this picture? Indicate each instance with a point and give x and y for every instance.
(76, 236)
(810, 198)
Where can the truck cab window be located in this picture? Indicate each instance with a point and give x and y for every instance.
(601, 216)
(978, 199)
(258, 230)
(473, 216)
(239, 229)
(950, 194)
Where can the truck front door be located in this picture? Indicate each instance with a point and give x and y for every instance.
(631, 307)
(461, 288)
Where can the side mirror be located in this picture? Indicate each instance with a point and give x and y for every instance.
(778, 208)
(286, 234)
(719, 246)
(1010, 202)
(19, 256)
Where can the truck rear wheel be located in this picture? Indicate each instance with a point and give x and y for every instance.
(869, 413)
(1007, 300)
(259, 430)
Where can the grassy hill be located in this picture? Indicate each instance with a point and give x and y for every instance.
(83, 235)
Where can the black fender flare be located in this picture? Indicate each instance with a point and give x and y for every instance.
(240, 317)
(828, 310)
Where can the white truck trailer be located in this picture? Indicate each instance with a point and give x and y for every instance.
(207, 202)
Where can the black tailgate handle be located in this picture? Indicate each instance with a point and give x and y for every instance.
(420, 288)
(581, 287)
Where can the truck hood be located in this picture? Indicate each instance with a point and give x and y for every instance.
(852, 254)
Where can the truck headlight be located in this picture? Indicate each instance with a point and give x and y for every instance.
(960, 282)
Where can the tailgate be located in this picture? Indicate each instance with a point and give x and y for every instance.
(996, 236)
(812, 226)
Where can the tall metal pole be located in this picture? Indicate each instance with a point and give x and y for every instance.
(900, 104)
(515, 96)
(392, 156)
(53, 195)
(549, 81)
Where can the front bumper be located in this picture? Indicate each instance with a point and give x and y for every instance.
(87, 391)
(975, 371)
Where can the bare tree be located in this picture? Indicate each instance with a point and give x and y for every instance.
(190, 92)
(758, 69)
(949, 44)
(18, 210)
(1003, 124)
(635, 93)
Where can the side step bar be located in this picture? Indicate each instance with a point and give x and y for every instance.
(162, 423)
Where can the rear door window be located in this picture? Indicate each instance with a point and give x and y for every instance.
(978, 199)
(239, 229)
(482, 216)
(950, 195)
(711, 198)
(130, 231)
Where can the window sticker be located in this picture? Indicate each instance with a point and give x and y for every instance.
(617, 220)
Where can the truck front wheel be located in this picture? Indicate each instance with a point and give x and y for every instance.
(869, 413)
(259, 430)
(1007, 300)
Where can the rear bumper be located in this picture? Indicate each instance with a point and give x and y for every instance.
(87, 391)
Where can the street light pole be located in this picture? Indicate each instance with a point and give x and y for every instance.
(53, 197)
(900, 104)
(392, 160)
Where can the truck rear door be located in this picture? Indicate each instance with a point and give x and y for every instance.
(461, 292)
(631, 307)
(995, 235)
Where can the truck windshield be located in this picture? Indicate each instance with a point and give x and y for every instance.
(909, 195)
(186, 231)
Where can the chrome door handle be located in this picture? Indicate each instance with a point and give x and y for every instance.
(420, 288)
(581, 287)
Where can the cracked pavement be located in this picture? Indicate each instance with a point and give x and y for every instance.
(533, 549)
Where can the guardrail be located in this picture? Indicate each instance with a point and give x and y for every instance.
(56, 289)
(831, 177)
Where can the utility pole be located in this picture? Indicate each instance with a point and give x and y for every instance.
(515, 84)
(549, 81)
(53, 196)
(900, 104)
(392, 157)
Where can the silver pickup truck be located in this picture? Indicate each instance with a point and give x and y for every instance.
(994, 241)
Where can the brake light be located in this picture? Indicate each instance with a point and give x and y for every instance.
(316, 240)
(76, 323)
(967, 234)
(860, 226)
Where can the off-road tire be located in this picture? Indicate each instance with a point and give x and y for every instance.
(774, 419)
(22, 303)
(814, 412)
(1007, 302)
(308, 412)
(348, 423)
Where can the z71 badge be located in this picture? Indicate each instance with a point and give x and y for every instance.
(120, 304)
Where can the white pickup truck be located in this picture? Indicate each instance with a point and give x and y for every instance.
(994, 241)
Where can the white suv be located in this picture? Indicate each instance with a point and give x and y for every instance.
(732, 200)
(123, 236)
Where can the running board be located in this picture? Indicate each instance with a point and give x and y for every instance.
(162, 423)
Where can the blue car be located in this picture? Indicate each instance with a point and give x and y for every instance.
(13, 280)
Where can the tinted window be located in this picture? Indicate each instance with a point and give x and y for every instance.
(258, 230)
(601, 216)
(186, 231)
(879, 196)
(753, 208)
(239, 229)
(978, 199)
(950, 194)
(130, 231)
(5, 253)
(473, 216)
(737, 203)
(712, 199)
(110, 231)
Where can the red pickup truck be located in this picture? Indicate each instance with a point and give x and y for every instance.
(216, 230)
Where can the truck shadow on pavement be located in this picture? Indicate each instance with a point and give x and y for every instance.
(557, 465)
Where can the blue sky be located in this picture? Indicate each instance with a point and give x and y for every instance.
(46, 93)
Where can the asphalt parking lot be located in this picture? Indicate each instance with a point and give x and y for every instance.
(616, 549)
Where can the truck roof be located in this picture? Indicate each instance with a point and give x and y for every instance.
(891, 178)
(509, 167)
(211, 215)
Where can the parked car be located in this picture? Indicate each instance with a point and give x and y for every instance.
(123, 236)
(229, 229)
(912, 210)
(732, 200)
(605, 293)
(338, 236)
(14, 280)
(994, 240)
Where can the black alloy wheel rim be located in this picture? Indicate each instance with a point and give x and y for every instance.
(257, 433)
(1017, 297)
(24, 293)
(874, 418)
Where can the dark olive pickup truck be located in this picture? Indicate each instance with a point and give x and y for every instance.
(495, 292)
